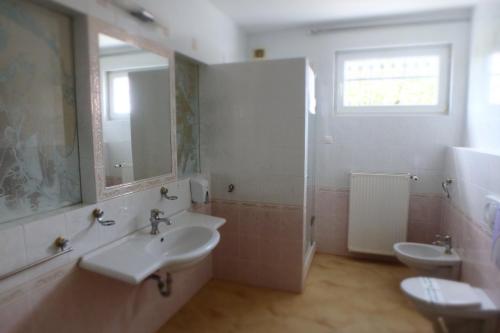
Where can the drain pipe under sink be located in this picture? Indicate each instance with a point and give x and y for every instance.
(164, 286)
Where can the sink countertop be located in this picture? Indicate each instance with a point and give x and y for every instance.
(127, 260)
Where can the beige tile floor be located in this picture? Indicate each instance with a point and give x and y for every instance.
(341, 295)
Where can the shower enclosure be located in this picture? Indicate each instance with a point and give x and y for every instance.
(257, 130)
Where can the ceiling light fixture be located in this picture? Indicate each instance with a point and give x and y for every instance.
(143, 15)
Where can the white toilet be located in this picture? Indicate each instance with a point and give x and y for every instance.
(452, 306)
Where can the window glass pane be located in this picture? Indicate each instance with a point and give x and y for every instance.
(121, 94)
(39, 166)
(396, 81)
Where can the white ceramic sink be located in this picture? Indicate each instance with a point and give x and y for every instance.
(132, 259)
(425, 254)
(183, 246)
(428, 259)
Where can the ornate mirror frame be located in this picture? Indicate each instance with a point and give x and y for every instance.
(90, 128)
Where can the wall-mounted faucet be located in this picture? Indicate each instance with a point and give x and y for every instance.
(444, 241)
(155, 220)
(98, 214)
(164, 194)
(446, 187)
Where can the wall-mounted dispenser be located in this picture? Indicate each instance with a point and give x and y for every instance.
(199, 189)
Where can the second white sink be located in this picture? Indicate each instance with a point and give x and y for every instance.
(429, 260)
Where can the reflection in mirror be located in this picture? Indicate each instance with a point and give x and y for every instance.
(495, 79)
(135, 108)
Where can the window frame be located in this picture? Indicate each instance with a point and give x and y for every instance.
(444, 51)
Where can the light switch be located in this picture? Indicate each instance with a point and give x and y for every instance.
(328, 139)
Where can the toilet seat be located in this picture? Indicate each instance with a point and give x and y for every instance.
(441, 293)
(457, 305)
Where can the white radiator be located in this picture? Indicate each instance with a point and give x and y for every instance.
(378, 212)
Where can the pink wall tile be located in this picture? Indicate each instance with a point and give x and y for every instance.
(333, 218)
(229, 211)
(291, 224)
(259, 236)
(13, 313)
(270, 252)
(251, 220)
(474, 246)
(325, 200)
(73, 300)
(249, 272)
(271, 222)
(228, 245)
(249, 248)
(226, 268)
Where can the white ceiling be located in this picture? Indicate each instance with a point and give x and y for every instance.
(265, 15)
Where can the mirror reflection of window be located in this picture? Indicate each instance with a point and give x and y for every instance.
(136, 112)
(119, 103)
(495, 79)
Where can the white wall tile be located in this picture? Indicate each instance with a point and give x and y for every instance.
(377, 143)
(253, 130)
(12, 249)
(40, 235)
(82, 230)
(475, 175)
(21, 244)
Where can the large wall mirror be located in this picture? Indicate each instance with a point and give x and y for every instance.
(133, 112)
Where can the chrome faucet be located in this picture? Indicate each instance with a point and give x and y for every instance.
(444, 241)
(155, 219)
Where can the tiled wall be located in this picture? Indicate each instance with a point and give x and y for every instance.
(476, 175)
(473, 244)
(69, 299)
(381, 143)
(254, 135)
(261, 244)
(483, 113)
(59, 297)
(253, 131)
(332, 220)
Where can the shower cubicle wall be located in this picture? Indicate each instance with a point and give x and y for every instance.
(254, 149)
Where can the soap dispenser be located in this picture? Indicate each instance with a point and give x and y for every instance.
(199, 189)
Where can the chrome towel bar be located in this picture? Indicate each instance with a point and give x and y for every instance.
(60, 242)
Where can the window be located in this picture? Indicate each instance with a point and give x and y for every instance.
(119, 97)
(397, 80)
(495, 79)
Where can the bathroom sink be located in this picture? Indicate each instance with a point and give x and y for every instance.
(132, 259)
(428, 259)
(184, 246)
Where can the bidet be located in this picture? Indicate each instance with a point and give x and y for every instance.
(429, 260)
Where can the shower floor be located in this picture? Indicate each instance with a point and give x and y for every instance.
(341, 295)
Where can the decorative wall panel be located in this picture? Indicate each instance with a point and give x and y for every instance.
(188, 116)
(39, 167)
